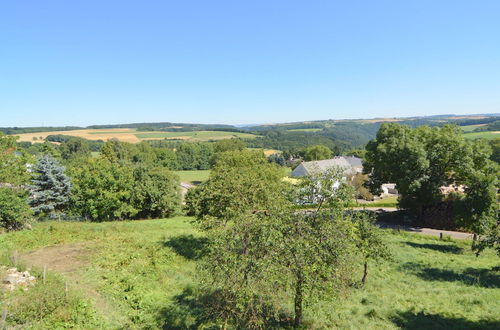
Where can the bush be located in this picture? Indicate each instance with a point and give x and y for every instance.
(14, 210)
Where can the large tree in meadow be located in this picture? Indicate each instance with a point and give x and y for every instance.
(263, 251)
(422, 160)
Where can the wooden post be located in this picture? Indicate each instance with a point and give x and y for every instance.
(14, 258)
(441, 236)
(44, 273)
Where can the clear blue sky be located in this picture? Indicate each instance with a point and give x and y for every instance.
(256, 61)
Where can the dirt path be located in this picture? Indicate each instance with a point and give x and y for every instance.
(69, 260)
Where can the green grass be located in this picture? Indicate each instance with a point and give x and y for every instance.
(470, 128)
(305, 130)
(384, 202)
(111, 132)
(194, 135)
(483, 135)
(193, 177)
(137, 268)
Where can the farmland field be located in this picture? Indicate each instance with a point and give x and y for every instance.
(193, 177)
(305, 130)
(470, 128)
(193, 136)
(139, 274)
(134, 136)
(483, 135)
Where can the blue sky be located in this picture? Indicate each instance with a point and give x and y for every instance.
(259, 61)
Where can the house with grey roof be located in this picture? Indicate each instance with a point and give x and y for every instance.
(319, 166)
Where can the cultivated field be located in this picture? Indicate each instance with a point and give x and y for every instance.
(139, 274)
(134, 136)
(483, 135)
(470, 128)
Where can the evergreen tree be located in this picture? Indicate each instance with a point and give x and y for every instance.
(49, 192)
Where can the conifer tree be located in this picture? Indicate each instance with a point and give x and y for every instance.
(49, 192)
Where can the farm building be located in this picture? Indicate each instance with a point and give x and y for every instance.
(308, 168)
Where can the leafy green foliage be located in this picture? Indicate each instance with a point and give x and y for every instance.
(370, 242)
(50, 187)
(421, 161)
(262, 251)
(102, 190)
(155, 193)
(14, 211)
(74, 149)
(317, 152)
(12, 162)
(240, 182)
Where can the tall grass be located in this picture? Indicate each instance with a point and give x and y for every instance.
(139, 274)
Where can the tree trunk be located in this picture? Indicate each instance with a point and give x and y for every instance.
(298, 301)
(365, 272)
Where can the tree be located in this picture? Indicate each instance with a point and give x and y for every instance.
(13, 162)
(50, 188)
(14, 211)
(370, 242)
(277, 158)
(102, 190)
(229, 145)
(259, 259)
(116, 151)
(317, 152)
(240, 182)
(421, 161)
(495, 146)
(74, 148)
(155, 193)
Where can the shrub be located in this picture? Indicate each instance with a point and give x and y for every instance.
(14, 211)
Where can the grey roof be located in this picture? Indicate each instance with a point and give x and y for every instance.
(306, 168)
(354, 161)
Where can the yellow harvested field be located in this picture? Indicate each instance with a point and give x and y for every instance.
(133, 136)
(122, 134)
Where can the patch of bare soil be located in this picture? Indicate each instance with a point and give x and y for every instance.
(63, 259)
(67, 260)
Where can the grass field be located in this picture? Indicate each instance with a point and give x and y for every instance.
(470, 128)
(133, 136)
(193, 136)
(137, 274)
(193, 177)
(305, 130)
(384, 202)
(483, 135)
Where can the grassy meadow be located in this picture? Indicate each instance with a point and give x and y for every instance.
(138, 274)
(488, 135)
(194, 135)
(194, 176)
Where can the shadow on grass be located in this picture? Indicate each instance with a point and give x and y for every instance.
(198, 309)
(437, 247)
(409, 320)
(186, 312)
(482, 277)
(188, 246)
